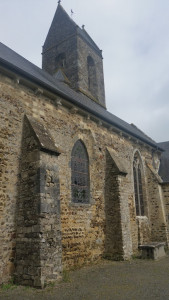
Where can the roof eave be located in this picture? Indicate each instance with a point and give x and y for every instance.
(21, 72)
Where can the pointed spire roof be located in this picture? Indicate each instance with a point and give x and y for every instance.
(63, 25)
(61, 10)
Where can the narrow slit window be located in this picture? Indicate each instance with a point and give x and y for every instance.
(92, 80)
(60, 60)
(138, 186)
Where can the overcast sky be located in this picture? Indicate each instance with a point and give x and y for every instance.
(134, 37)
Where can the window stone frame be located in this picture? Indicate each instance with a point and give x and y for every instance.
(139, 193)
(80, 176)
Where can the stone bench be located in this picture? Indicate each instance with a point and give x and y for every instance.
(154, 250)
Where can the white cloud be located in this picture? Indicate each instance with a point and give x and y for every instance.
(134, 37)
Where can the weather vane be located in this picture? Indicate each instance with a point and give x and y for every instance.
(59, 1)
(72, 13)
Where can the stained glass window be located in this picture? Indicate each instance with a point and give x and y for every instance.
(80, 173)
(138, 187)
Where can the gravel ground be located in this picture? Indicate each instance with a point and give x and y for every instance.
(134, 280)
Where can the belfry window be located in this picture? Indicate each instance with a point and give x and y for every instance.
(80, 173)
(60, 60)
(92, 81)
(138, 185)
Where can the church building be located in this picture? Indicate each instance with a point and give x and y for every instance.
(76, 182)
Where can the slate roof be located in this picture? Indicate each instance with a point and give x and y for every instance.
(14, 62)
(164, 163)
(52, 34)
(80, 31)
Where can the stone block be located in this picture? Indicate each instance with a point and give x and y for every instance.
(39, 282)
(153, 250)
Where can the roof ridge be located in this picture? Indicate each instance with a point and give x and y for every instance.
(59, 5)
(40, 70)
(19, 55)
(89, 37)
(84, 34)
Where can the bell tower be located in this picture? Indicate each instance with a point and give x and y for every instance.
(70, 49)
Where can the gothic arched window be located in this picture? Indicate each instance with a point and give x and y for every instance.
(60, 60)
(138, 185)
(92, 81)
(80, 173)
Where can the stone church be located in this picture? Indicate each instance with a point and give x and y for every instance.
(76, 182)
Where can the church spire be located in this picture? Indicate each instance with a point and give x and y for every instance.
(70, 49)
(61, 27)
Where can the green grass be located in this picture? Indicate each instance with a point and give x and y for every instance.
(51, 284)
(8, 286)
(65, 276)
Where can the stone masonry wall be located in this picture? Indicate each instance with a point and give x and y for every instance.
(82, 225)
(117, 213)
(28, 265)
(50, 227)
(124, 195)
(38, 243)
(70, 68)
(10, 116)
(165, 188)
(157, 215)
(113, 230)
(83, 52)
(62, 28)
